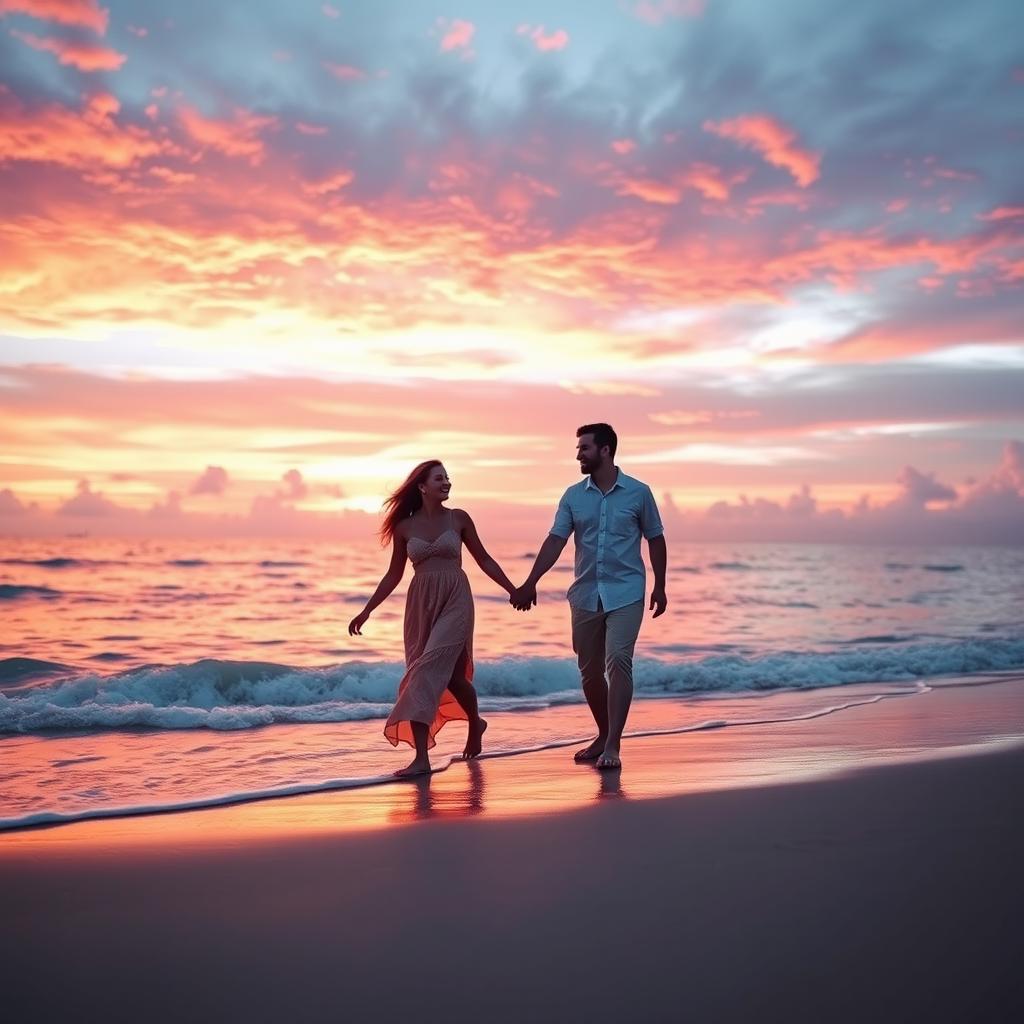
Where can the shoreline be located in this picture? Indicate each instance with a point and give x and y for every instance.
(955, 715)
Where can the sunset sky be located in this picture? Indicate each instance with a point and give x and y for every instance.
(257, 259)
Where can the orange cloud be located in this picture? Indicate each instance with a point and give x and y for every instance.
(70, 52)
(458, 36)
(238, 137)
(773, 140)
(88, 138)
(79, 13)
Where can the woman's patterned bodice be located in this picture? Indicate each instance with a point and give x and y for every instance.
(444, 552)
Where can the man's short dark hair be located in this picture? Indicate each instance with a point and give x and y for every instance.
(603, 435)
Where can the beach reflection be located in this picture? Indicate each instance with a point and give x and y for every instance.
(459, 792)
(609, 786)
(437, 796)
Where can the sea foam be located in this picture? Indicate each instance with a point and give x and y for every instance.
(229, 695)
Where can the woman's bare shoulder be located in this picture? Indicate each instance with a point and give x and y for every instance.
(403, 528)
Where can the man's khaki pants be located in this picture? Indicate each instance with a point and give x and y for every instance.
(604, 642)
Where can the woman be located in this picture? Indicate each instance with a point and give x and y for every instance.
(437, 685)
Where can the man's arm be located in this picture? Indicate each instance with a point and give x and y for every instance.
(526, 595)
(658, 551)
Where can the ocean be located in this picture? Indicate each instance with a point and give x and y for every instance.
(150, 676)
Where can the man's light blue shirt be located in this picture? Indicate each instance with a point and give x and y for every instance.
(607, 530)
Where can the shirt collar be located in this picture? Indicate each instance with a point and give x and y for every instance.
(590, 485)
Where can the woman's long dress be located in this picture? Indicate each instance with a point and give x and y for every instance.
(438, 638)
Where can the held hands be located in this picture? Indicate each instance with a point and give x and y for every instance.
(523, 597)
(658, 602)
(355, 627)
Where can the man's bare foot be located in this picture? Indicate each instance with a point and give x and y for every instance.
(609, 759)
(416, 767)
(474, 742)
(591, 752)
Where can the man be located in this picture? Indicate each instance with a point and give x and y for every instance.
(607, 512)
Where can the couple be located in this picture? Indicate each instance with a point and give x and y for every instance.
(607, 513)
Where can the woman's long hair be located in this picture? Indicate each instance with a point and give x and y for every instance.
(405, 500)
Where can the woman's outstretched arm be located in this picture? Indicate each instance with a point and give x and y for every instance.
(472, 541)
(388, 582)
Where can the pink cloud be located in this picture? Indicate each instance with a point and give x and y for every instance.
(623, 146)
(951, 174)
(1008, 475)
(650, 191)
(304, 128)
(169, 508)
(557, 40)
(458, 36)
(345, 72)
(773, 140)
(708, 180)
(654, 12)
(79, 13)
(88, 502)
(330, 12)
(70, 52)
(10, 504)
(1003, 213)
(297, 488)
(172, 177)
(917, 488)
(329, 184)
(213, 480)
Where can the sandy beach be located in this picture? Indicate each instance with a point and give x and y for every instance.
(872, 870)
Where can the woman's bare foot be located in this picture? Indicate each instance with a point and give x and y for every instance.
(591, 752)
(415, 767)
(474, 742)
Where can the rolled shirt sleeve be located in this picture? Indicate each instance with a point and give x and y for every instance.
(650, 520)
(563, 524)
